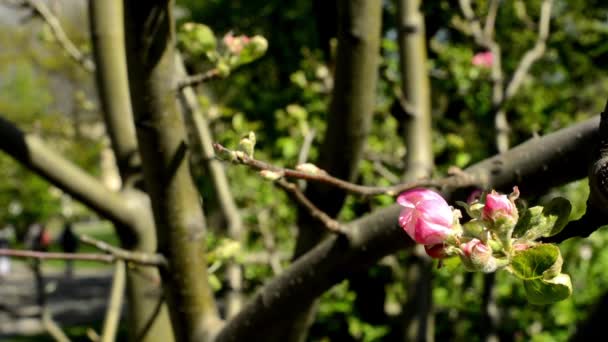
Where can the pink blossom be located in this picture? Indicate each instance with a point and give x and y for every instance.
(426, 217)
(483, 59)
(477, 256)
(475, 247)
(498, 206)
(235, 44)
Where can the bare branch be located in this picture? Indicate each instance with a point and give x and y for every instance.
(297, 194)
(45, 13)
(488, 28)
(35, 154)
(194, 80)
(322, 177)
(17, 253)
(533, 54)
(110, 323)
(146, 259)
(52, 327)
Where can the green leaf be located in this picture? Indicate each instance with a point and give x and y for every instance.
(529, 218)
(538, 221)
(533, 262)
(559, 208)
(548, 291)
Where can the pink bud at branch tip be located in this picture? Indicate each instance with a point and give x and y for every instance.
(426, 217)
(498, 206)
(483, 59)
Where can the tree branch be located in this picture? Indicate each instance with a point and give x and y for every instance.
(112, 318)
(141, 258)
(533, 54)
(34, 154)
(27, 254)
(72, 51)
(180, 224)
(195, 118)
(321, 176)
(194, 80)
(295, 193)
(378, 234)
(108, 40)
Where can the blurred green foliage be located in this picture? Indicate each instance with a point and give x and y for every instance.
(283, 97)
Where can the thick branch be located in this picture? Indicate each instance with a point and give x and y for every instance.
(108, 38)
(107, 31)
(150, 38)
(112, 318)
(378, 234)
(34, 154)
(417, 318)
(194, 116)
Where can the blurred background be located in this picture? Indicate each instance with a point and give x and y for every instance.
(284, 98)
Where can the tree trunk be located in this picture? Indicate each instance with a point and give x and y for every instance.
(351, 110)
(147, 315)
(177, 207)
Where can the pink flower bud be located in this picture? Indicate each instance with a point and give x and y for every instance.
(475, 246)
(235, 44)
(478, 256)
(436, 251)
(426, 217)
(518, 247)
(483, 59)
(498, 206)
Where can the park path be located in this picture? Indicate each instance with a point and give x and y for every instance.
(72, 301)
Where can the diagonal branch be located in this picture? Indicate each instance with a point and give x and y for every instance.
(320, 176)
(72, 51)
(533, 54)
(373, 236)
(148, 259)
(194, 117)
(34, 154)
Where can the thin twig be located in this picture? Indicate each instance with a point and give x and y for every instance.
(238, 157)
(16, 253)
(533, 54)
(113, 311)
(52, 327)
(193, 80)
(297, 194)
(488, 29)
(304, 152)
(147, 259)
(272, 257)
(70, 48)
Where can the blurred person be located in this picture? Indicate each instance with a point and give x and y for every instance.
(69, 244)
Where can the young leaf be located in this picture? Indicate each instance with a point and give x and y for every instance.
(533, 262)
(543, 291)
(538, 221)
(559, 208)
